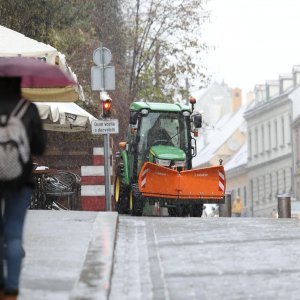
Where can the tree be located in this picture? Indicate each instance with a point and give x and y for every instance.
(164, 46)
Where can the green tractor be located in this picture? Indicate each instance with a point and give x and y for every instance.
(155, 163)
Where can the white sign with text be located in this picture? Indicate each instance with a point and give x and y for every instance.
(105, 126)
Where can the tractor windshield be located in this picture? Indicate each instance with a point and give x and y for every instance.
(163, 128)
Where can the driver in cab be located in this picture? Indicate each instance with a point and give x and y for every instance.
(158, 135)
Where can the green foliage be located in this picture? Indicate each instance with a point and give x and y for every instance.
(155, 44)
(164, 46)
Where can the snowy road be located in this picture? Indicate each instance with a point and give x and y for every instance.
(207, 258)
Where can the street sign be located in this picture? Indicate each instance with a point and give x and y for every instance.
(97, 75)
(102, 56)
(105, 126)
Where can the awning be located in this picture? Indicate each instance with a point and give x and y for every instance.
(64, 117)
(14, 43)
(66, 94)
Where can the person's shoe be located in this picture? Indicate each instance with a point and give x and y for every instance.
(10, 297)
(11, 294)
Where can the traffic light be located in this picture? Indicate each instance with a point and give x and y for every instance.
(106, 108)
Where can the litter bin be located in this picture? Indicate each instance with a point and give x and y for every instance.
(284, 206)
(225, 208)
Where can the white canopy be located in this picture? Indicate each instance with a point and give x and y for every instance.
(64, 116)
(14, 43)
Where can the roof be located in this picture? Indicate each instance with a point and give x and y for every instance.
(238, 160)
(223, 130)
(157, 106)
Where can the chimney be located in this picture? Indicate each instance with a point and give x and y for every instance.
(236, 99)
(296, 75)
(250, 97)
(259, 92)
(272, 89)
(285, 82)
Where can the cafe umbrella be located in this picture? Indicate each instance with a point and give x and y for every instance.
(34, 73)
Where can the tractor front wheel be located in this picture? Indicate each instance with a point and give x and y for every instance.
(135, 201)
(121, 196)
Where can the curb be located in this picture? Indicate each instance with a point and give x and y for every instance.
(95, 278)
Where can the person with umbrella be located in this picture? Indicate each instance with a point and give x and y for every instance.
(16, 183)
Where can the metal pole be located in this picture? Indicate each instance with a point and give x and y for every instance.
(225, 208)
(102, 65)
(107, 172)
(284, 206)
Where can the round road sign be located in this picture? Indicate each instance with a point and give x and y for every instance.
(102, 56)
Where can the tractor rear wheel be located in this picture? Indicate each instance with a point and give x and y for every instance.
(182, 210)
(172, 211)
(196, 210)
(135, 200)
(121, 196)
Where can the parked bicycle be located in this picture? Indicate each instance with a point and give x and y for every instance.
(56, 189)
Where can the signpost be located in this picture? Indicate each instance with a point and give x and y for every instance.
(102, 79)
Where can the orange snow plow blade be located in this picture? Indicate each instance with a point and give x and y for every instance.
(157, 181)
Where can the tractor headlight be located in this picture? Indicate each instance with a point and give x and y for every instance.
(180, 163)
(163, 162)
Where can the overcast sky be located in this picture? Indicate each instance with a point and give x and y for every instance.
(256, 40)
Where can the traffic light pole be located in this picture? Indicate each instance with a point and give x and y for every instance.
(102, 57)
(107, 173)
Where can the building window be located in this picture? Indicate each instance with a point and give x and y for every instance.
(277, 183)
(270, 189)
(291, 178)
(298, 143)
(284, 181)
(264, 188)
(245, 196)
(289, 130)
(282, 131)
(256, 141)
(258, 191)
(252, 196)
(262, 138)
(275, 135)
(269, 137)
(271, 185)
(250, 145)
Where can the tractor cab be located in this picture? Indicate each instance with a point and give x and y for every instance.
(162, 137)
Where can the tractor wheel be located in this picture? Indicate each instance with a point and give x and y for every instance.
(135, 201)
(172, 211)
(121, 196)
(196, 210)
(182, 210)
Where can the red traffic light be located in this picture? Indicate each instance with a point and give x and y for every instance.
(106, 105)
(106, 108)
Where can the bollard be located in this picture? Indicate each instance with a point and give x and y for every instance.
(225, 209)
(284, 206)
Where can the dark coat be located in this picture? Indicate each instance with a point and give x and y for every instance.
(36, 135)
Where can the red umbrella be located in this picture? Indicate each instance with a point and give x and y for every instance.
(34, 73)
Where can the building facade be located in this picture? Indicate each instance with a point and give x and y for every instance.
(270, 150)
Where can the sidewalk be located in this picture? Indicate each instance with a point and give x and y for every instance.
(69, 255)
